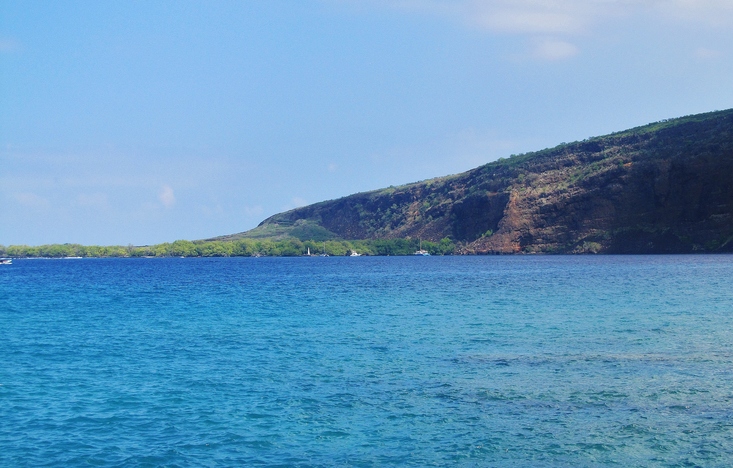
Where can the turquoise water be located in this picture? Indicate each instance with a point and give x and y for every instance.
(468, 361)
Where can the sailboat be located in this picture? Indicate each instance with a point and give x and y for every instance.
(324, 254)
(421, 252)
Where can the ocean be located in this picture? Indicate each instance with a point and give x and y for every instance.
(370, 361)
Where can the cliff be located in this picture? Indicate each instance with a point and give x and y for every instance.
(666, 187)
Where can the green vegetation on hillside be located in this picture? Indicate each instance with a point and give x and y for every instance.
(290, 247)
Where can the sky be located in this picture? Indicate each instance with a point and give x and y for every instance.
(141, 122)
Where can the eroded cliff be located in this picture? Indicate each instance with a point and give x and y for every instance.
(663, 188)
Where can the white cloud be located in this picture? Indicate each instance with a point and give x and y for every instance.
(562, 19)
(536, 19)
(554, 49)
(528, 19)
(517, 16)
(559, 16)
(31, 200)
(166, 196)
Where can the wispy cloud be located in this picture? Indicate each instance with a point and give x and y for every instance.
(31, 200)
(516, 16)
(559, 16)
(554, 49)
(529, 17)
(554, 24)
(166, 196)
(555, 21)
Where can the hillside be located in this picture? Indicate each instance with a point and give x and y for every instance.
(666, 187)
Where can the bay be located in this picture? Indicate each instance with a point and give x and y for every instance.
(369, 361)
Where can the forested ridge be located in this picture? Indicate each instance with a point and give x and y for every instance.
(290, 247)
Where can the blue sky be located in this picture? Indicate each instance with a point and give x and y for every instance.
(151, 121)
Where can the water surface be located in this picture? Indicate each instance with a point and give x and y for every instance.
(473, 361)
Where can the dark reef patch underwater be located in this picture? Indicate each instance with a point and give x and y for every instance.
(473, 361)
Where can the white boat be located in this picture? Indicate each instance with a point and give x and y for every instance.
(324, 254)
(354, 253)
(6, 261)
(421, 252)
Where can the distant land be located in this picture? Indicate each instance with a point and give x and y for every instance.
(666, 187)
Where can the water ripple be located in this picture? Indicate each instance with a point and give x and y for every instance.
(493, 361)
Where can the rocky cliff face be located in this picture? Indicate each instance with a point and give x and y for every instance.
(662, 188)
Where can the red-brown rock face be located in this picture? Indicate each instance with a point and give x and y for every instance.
(662, 188)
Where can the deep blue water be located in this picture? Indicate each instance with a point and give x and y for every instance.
(472, 361)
